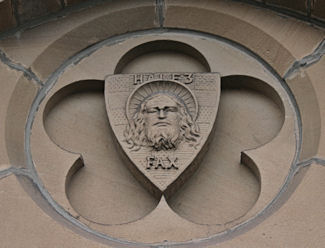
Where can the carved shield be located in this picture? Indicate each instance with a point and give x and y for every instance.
(162, 123)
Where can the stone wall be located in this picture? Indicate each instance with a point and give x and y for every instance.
(63, 182)
(309, 10)
(14, 13)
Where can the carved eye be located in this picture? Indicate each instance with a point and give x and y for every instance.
(170, 109)
(152, 110)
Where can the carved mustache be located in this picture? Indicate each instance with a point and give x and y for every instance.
(161, 122)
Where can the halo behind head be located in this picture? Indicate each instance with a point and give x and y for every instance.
(172, 88)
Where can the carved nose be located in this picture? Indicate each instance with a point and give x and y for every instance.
(162, 114)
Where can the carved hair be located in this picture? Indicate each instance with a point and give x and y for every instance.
(136, 137)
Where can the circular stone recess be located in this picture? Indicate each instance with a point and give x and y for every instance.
(222, 194)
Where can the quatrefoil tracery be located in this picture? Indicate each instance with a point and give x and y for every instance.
(251, 115)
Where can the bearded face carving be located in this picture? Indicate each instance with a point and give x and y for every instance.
(162, 122)
(156, 122)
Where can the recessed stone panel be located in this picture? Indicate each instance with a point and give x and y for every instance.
(7, 17)
(293, 5)
(73, 2)
(31, 9)
(318, 9)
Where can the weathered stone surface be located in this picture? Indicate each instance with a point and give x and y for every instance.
(112, 193)
(120, 17)
(17, 112)
(277, 40)
(295, 5)
(73, 2)
(26, 47)
(7, 17)
(31, 9)
(171, 227)
(318, 9)
(305, 95)
(275, 231)
(280, 51)
(8, 83)
(28, 10)
(316, 74)
(299, 223)
(104, 192)
(25, 224)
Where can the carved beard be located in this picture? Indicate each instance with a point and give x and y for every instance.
(162, 138)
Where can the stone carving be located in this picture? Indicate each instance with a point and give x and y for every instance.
(162, 122)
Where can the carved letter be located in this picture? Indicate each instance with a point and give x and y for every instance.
(176, 77)
(188, 78)
(138, 79)
(172, 163)
(150, 162)
(160, 163)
